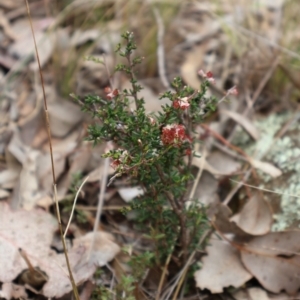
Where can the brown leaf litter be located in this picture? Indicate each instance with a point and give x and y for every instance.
(234, 255)
(245, 247)
(33, 233)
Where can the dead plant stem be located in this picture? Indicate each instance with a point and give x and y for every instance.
(74, 287)
(163, 276)
(186, 267)
(100, 203)
(74, 205)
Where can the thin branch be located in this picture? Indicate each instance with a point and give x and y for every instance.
(265, 190)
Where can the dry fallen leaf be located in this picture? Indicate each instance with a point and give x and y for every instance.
(251, 294)
(221, 214)
(256, 217)
(206, 190)
(9, 290)
(46, 47)
(64, 116)
(201, 162)
(59, 282)
(240, 294)
(28, 192)
(23, 47)
(78, 162)
(223, 162)
(221, 268)
(274, 260)
(283, 296)
(32, 231)
(44, 169)
(61, 149)
(257, 293)
(104, 248)
(83, 261)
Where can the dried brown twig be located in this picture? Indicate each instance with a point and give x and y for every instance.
(74, 287)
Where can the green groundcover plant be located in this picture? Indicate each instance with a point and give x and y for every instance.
(155, 151)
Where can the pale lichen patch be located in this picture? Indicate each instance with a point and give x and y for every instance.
(284, 153)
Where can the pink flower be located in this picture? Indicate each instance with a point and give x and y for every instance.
(173, 135)
(233, 91)
(202, 73)
(121, 161)
(181, 103)
(110, 94)
(115, 164)
(208, 76)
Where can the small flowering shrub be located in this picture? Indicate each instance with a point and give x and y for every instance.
(155, 151)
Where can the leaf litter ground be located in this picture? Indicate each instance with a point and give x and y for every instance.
(243, 248)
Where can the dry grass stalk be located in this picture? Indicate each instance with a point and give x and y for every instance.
(75, 291)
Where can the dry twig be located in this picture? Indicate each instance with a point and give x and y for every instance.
(74, 287)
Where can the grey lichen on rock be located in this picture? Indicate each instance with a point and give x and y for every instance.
(284, 153)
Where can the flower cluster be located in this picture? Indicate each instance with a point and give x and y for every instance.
(110, 94)
(174, 135)
(181, 103)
